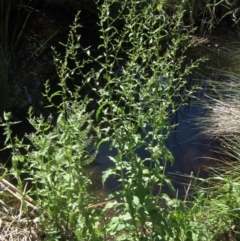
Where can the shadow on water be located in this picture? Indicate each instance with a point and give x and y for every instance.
(192, 151)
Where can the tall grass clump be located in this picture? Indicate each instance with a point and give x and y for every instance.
(11, 31)
(221, 99)
(219, 195)
(207, 14)
(139, 80)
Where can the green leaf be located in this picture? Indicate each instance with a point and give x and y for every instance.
(106, 174)
(67, 177)
(99, 111)
(110, 205)
(135, 201)
(169, 184)
(159, 8)
(57, 93)
(102, 141)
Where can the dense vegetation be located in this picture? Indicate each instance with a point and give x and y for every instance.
(122, 90)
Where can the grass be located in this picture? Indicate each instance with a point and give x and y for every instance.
(9, 42)
(16, 223)
(224, 121)
(219, 194)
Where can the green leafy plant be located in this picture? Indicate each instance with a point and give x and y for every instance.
(135, 104)
(140, 80)
(54, 158)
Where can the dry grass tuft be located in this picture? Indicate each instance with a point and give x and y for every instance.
(223, 119)
(17, 228)
(17, 215)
